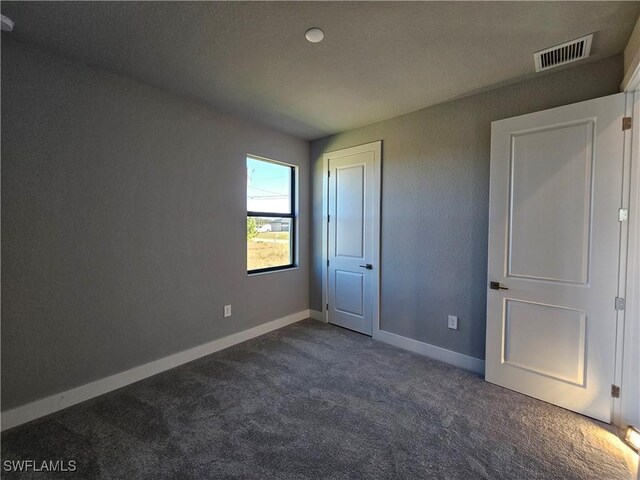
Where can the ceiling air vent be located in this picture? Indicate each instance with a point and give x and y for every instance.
(562, 54)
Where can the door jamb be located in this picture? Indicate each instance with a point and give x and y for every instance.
(629, 266)
(376, 147)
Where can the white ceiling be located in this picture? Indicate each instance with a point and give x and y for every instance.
(378, 59)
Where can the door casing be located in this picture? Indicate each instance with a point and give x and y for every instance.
(376, 147)
(626, 407)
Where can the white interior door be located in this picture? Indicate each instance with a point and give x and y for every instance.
(554, 233)
(353, 236)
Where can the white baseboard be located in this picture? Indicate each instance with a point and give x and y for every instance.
(448, 356)
(316, 315)
(60, 401)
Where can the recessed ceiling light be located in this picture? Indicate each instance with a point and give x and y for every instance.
(314, 35)
(7, 23)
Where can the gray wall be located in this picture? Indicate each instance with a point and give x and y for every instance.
(435, 201)
(123, 225)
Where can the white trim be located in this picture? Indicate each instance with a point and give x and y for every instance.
(627, 375)
(437, 353)
(622, 266)
(60, 401)
(377, 233)
(316, 315)
(325, 235)
(631, 80)
(376, 147)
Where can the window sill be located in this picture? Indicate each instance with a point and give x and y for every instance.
(268, 272)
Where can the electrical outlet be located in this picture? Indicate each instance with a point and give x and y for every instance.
(227, 311)
(453, 322)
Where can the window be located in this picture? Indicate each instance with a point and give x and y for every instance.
(271, 220)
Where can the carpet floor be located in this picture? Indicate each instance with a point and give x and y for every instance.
(314, 401)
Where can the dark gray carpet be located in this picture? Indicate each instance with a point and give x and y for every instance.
(317, 401)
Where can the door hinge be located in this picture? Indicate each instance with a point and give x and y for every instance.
(327, 262)
(620, 303)
(626, 123)
(328, 218)
(615, 391)
(623, 214)
(327, 306)
(329, 174)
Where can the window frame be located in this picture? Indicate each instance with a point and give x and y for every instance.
(292, 215)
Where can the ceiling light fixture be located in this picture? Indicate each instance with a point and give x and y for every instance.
(314, 35)
(7, 23)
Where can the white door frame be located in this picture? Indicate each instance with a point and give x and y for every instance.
(629, 268)
(376, 147)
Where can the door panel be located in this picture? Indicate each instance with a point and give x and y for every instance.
(562, 340)
(349, 211)
(551, 203)
(351, 291)
(556, 179)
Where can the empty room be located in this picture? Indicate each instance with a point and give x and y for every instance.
(320, 240)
